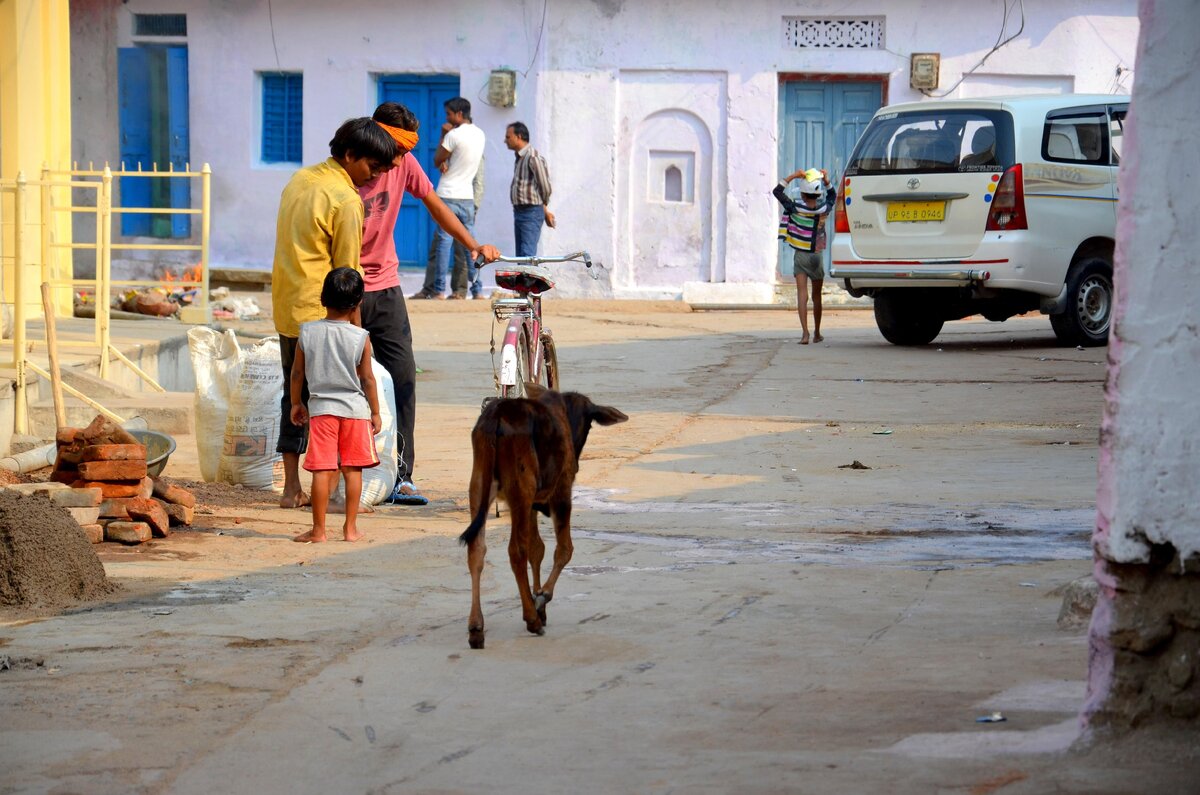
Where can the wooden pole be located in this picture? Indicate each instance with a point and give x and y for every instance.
(20, 354)
(60, 408)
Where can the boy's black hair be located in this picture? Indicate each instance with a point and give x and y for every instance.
(342, 290)
(520, 130)
(364, 138)
(459, 105)
(394, 114)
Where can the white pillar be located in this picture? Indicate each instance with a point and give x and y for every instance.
(1145, 633)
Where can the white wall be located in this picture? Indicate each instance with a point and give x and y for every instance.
(574, 96)
(1150, 454)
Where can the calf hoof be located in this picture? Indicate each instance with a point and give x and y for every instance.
(475, 638)
(539, 603)
(535, 627)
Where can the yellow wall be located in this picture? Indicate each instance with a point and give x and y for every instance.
(35, 118)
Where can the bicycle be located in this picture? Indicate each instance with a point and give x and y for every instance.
(527, 353)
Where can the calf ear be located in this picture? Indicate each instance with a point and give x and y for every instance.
(534, 391)
(607, 415)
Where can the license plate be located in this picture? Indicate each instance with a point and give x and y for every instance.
(916, 211)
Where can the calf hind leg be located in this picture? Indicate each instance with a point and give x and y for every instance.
(563, 549)
(537, 553)
(519, 545)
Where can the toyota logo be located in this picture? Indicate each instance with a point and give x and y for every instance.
(914, 183)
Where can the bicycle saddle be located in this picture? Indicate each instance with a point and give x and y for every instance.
(525, 279)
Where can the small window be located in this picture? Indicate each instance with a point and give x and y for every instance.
(671, 176)
(160, 24)
(282, 117)
(1077, 138)
(673, 184)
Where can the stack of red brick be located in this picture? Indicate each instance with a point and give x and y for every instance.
(108, 490)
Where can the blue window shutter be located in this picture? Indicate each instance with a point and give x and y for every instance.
(178, 136)
(133, 101)
(283, 118)
(295, 118)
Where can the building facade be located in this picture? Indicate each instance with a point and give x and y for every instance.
(665, 122)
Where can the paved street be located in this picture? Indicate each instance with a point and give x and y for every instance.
(744, 611)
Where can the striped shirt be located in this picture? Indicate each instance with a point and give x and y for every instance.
(801, 227)
(531, 178)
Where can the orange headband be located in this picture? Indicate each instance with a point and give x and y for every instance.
(406, 138)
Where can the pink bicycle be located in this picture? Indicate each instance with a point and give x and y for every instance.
(527, 352)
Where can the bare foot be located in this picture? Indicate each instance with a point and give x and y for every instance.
(312, 536)
(340, 508)
(297, 500)
(804, 339)
(818, 338)
(351, 534)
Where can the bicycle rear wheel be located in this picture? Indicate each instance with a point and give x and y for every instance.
(550, 377)
(518, 390)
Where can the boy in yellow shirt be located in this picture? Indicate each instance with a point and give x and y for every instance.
(319, 228)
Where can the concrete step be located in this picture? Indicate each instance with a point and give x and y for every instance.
(832, 295)
(95, 387)
(168, 412)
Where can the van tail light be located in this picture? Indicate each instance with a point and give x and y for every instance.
(840, 222)
(1008, 203)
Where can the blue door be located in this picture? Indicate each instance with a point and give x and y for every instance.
(133, 104)
(152, 100)
(819, 123)
(178, 143)
(424, 95)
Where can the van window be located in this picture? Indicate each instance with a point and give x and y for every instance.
(1078, 138)
(1116, 133)
(934, 141)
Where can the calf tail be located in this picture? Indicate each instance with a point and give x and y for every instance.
(477, 522)
(483, 472)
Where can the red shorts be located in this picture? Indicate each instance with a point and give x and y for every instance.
(335, 442)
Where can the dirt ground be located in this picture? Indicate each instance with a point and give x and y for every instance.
(742, 613)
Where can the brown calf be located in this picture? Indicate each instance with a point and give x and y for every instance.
(527, 452)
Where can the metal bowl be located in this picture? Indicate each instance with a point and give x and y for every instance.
(159, 447)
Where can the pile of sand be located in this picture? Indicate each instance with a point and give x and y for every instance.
(45, 559)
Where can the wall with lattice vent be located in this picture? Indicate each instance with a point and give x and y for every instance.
(865, 33)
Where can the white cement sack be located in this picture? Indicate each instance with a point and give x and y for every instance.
(248, 456)
(378, 480)
(216, 362)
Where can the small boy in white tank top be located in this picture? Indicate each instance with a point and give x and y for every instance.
(334, 355)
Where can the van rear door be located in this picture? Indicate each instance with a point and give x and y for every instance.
(920, 182)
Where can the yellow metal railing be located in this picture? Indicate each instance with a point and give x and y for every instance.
(52, 185)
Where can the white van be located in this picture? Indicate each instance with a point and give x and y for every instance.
(993, 206)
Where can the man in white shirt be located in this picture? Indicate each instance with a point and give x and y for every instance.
(458, 158)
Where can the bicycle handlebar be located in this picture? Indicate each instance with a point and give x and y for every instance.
(578, 256)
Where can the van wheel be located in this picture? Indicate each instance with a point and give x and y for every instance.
(1089, 305)
(906, 317)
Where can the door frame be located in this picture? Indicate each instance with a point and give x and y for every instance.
(836, 77)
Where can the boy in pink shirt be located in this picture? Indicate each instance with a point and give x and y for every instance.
(384, 314)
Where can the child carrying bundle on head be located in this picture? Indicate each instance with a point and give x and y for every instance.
(803, 228)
